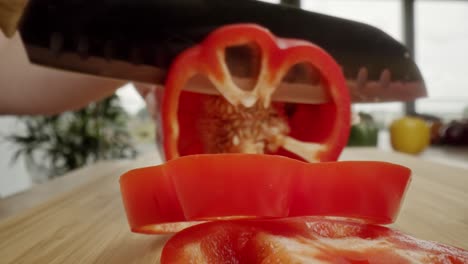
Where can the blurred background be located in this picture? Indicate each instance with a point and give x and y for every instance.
(120, 126)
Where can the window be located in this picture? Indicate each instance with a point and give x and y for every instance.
(385, 15)
(441, 40)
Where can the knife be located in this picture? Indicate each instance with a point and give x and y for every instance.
(137, 40)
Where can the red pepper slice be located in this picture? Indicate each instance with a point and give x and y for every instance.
(303, 240)
(219, 186)
(249, 121)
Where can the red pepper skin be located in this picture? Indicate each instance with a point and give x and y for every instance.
(164, 198)
(327, 124)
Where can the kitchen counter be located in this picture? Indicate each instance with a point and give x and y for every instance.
(80, 218)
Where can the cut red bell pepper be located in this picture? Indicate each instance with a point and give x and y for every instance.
(219, 186)
(248, 121)
(303, 240)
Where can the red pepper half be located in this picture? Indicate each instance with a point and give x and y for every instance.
(242, 120)
(169, 197)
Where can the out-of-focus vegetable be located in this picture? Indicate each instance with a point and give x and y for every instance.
(410, 135)
(436, 128)
(364, 133)
(455, 133)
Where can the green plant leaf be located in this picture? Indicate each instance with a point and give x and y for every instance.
(68, 141)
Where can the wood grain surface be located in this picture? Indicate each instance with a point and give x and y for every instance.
(87, 224)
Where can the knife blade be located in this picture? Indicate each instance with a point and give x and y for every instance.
(136, 40)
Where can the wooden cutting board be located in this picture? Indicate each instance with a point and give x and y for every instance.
(85, 222)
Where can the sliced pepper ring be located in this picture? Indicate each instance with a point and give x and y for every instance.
(190, 189)
(312, 133)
